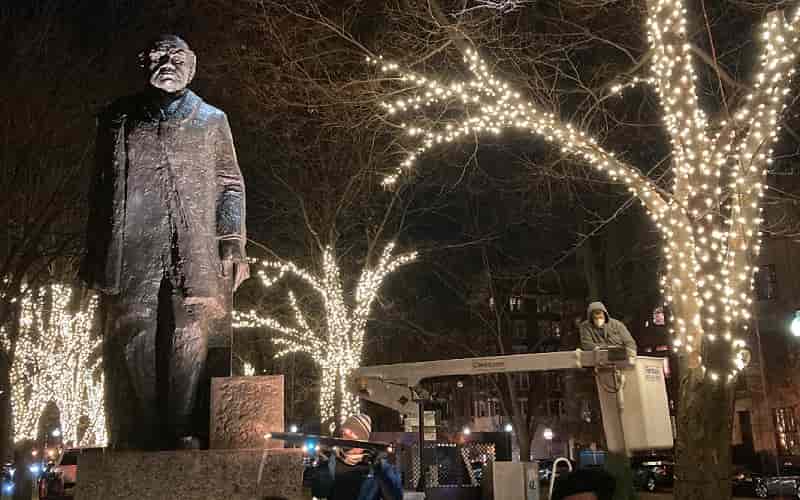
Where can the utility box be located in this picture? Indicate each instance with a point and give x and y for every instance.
(511, 481)
(635, 407)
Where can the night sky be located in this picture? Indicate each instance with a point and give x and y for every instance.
(313, 147)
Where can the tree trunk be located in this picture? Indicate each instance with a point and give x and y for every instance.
(523, 439)
(703, 441)
(6, 416)
(23, 479)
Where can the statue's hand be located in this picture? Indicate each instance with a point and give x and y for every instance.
(234, 262)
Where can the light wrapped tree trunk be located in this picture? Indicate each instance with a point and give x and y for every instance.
(703, 441)
(334, 336)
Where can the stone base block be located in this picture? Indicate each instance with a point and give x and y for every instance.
(244, 409)
(256, 474)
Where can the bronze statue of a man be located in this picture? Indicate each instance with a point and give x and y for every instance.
(166, 232)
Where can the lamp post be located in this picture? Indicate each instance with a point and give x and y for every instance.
(795, 326)
(509, 440)
(548, 436)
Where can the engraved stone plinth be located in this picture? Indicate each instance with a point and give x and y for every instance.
(190, 475)
(244, 409)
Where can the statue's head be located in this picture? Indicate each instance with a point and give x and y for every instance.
(168, 63)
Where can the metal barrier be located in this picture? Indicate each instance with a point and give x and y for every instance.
(454, 465)
(554, 473)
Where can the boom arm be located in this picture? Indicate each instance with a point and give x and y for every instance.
(393, 385)
(635, 410)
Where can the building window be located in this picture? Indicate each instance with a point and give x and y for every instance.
(556, 408)
(515, 303)
(520, 329)
(480, 408)
(766, 282)
(494, 407)
(524, 381)
(523, 406)
(786, 431)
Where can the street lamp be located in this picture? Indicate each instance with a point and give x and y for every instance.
(292, 428)
(795, 327)
(548, 436)
(467, 431)
(509, 428)
(56, 433)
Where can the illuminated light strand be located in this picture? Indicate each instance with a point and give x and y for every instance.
(248, 369)
(710, 229)
(56, 360)
(337, 345)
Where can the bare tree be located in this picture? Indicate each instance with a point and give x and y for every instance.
(709, 219)
(333, 334)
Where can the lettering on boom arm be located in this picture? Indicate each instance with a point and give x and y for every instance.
(488, 365)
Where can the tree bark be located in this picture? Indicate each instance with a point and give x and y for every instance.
(6, 416)
(523, 438)
(703, 441)
(23, 479)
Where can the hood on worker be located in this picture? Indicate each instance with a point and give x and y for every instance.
(594, 306)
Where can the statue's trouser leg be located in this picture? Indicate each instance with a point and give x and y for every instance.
(130, 361)
(187, 368)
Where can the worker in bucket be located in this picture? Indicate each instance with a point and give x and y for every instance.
(355, 473)
(601, 330)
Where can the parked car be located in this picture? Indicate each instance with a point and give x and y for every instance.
(7, 479)
(786, 482)
(653, 473)
(57, 482)
(743, 482)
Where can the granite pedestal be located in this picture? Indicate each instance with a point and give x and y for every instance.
(190, 475)
(241, 464)
(244, 409)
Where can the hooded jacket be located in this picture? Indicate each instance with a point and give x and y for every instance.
(612, 333)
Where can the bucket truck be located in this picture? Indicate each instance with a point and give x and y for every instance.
(632, 392)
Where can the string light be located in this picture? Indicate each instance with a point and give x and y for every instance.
(336, 345)
(56, 360)
(249, 370)
(710, 219)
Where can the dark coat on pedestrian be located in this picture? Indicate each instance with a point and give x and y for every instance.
(335, 480)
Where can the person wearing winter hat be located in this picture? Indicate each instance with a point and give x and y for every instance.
(355, 427)
(352, 474)
(601, 330)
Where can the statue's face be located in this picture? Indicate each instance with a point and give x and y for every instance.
(169, 65)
